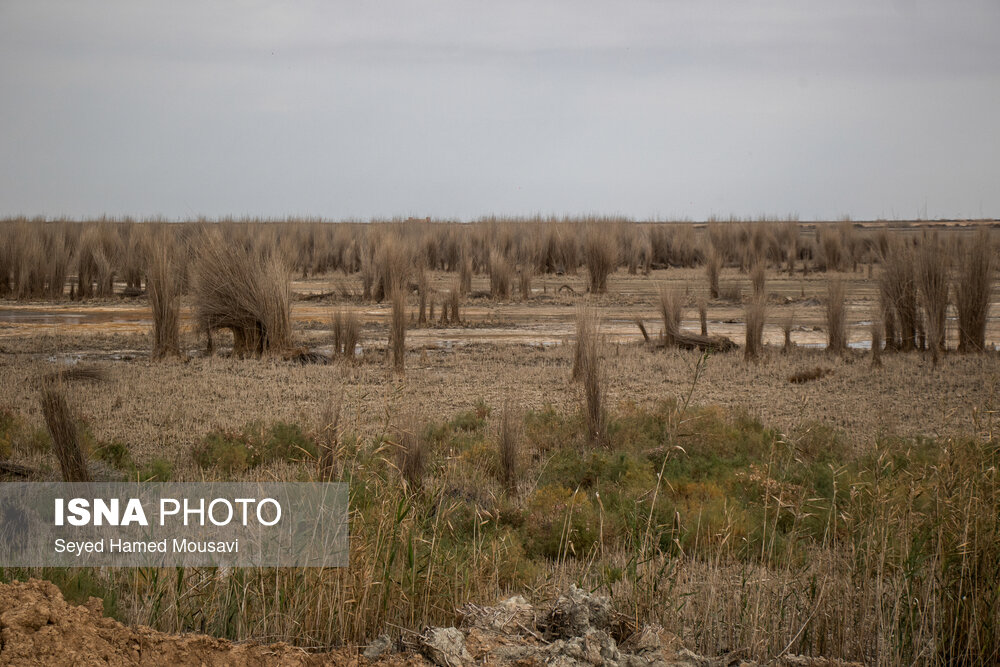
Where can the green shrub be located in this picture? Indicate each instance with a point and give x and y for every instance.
(255, 445)
(16, 436)
(226, 452)
(560, 521)
(157, 470)
(280, 441)
(115, 454)
(470, 420)
(547, 430)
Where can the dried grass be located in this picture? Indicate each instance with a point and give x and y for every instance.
(392, 267)
(411, 454)
(397, 331)
(670, 314)
(591, 373)
(973, 289)
(501, 275)
(62, 429)
(809, 374)
(758, 276)
(163, 282)
(756, 311)
(898, 293)
(346, 333)
(932, 269)
(509, 439)
(600, 253)
(246, 291)
(712, 268)
(836, 324)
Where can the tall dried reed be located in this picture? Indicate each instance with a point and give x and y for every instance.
(600, 253)
(670, 303)
(162, 281)
(65, 438)
(524, 282)
(501, 275)
(392, 267)
(423, 286)
(973, 288)
(346, 333)
(411, 453)
(454, 299)
(758, 276)
(590, 372)
(244, 290)
(898, 292)
(509, 438)
(836, 324)
(756, 311)
(878, 322)
(932, 269)
(397, 330)
(713, 266)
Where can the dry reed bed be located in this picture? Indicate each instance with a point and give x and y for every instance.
(53, 259)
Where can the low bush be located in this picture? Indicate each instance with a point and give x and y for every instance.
(255, 445)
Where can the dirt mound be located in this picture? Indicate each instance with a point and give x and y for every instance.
(38, 627)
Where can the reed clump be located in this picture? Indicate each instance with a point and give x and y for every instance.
(244, 290)
(836, 322)
(163, 283)
(63, 431)
(397, 331)
(932, 270)
(898, 294)
(411, 454)
(713, 266)
(755, 313)
(670, 302)
(501, 275)
(877, 338)
(973, 288)
(758, 277)
(392, 267)
(346, 333)
(600, 253)
(591, 375)
(453, 303)
(509, 436)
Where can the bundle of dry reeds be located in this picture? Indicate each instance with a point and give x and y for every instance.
(973, 288)
(247, 291)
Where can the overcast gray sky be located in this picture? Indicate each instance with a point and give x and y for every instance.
(466, 108)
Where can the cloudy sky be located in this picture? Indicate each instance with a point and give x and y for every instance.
(459, 109)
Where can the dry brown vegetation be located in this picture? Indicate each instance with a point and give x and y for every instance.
(63, 431)
(743, 506)
(163, 282)
(808, 375)
(756, 311)
(245, 290)
(836, 324)
(346, 333)
(397, 330)
(973, 289)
